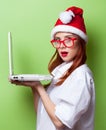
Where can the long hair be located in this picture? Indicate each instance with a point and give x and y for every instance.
(79, 60)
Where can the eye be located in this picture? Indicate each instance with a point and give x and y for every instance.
(67, 40)
(57, 39)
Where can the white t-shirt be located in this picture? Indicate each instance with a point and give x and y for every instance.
(74, 100)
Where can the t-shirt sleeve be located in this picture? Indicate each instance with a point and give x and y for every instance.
(74, 99)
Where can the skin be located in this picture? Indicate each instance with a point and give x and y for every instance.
(67, 54)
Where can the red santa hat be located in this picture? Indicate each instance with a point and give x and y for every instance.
(71, 21)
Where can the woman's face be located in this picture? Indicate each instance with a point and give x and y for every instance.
(67, 54)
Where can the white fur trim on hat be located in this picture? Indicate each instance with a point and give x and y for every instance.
(71, 29)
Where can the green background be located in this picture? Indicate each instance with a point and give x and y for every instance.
(30, 22)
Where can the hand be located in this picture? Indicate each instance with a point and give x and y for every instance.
(31, 84)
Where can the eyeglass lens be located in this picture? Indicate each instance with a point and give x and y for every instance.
(66, 42)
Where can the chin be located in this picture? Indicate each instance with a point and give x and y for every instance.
(66, 59)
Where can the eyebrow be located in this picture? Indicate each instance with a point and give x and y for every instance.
(57, 37)
(70, 35)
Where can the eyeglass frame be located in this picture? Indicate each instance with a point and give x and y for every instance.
(63, 41)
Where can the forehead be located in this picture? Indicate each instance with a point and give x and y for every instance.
(64, 34)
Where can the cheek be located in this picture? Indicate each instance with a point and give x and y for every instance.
(73, 52)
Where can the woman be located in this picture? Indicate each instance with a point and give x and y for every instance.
(69, 101)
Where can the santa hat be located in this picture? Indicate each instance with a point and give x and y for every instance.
(71, 21)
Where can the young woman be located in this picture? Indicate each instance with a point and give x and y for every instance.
(68, 102)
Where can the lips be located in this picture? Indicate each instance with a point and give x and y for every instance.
(64, 54)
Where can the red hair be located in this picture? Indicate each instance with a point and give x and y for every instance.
(79, 60)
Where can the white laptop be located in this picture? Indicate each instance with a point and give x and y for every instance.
(22, 77)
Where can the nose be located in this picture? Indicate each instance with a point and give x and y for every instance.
(62, 44)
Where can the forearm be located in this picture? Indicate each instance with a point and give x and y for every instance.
(49, 106)
(36, 99)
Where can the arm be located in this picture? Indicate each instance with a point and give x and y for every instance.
(49, 105)
(39, 91)
(36, 99)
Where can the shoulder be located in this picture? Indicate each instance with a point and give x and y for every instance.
(81, 76)
(81, 71)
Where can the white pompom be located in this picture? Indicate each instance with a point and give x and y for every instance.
(66, 16)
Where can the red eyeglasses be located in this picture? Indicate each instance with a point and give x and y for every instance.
(68, 42)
